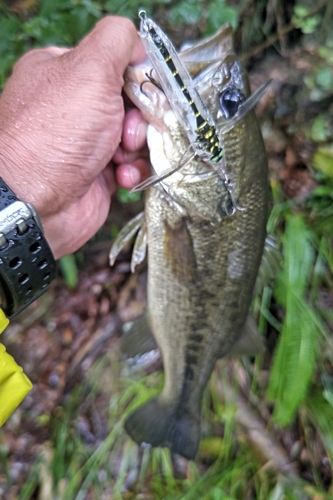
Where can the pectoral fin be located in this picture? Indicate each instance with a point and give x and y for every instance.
(125, 236)
(251, 341)
(179, 253)
(140, 247)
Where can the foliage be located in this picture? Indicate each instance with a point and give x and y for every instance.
(61, 23)
(65, 22)
(219, 13)
(303, 21)
(69, 270)
(296, 352)
(66, 467)
(125, 196)
(216, 13)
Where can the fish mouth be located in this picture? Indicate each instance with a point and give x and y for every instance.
(212, 80)
(143, 90)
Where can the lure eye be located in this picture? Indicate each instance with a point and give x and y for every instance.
(230, 100)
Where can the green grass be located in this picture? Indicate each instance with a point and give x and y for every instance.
(68, 468)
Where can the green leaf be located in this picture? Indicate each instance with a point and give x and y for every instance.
(218, 14)
(323, 160)
(188, 12)
(301, 11)
(125, 196)
(69, 270)
(321, 413)
(326, 53)
(319, 130)
(296, 351)
(129, 8)
(12, 45)
(324, 78)
(37, 28)
(305, 22)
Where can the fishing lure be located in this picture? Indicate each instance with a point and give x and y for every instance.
(191, 112)
(179, 88)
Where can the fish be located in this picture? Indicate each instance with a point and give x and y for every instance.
(204, 223)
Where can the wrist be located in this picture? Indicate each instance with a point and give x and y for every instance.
(17, 168)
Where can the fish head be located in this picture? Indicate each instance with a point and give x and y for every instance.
(217, 73)
(218, 76)
(223, 86)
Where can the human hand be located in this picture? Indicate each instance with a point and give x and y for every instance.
(62, 121)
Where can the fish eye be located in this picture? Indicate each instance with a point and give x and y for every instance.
(230, 100)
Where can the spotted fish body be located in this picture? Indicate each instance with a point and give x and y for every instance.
(202, 264)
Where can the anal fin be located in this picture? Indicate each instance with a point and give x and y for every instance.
(138, 340)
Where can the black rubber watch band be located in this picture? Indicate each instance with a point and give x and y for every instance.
(27, 265)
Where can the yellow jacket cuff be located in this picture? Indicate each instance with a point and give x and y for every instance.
(14, 384)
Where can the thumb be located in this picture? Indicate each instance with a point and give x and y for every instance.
(115, 41)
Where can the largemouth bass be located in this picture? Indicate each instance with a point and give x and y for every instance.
(205, 225)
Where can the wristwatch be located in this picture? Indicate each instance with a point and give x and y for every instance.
(27, 265)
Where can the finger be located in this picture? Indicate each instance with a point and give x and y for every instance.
(115, 41)
(95, 206)
(123, 156)
(39, 55)
(129, 175)
(134, 131)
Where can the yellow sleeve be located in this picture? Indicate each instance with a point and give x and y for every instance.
(14, 384)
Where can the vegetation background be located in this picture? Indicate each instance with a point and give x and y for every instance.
(267, 423)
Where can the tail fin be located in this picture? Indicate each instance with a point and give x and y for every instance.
(156, 424)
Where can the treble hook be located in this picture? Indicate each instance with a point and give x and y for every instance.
(152, 80)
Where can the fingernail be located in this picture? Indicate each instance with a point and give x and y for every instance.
(141, 134)
(134, 175)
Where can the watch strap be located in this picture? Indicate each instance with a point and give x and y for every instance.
(27, 265)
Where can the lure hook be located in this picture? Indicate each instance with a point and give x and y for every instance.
(152, 80)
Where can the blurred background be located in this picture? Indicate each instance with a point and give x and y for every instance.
(267, 430)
